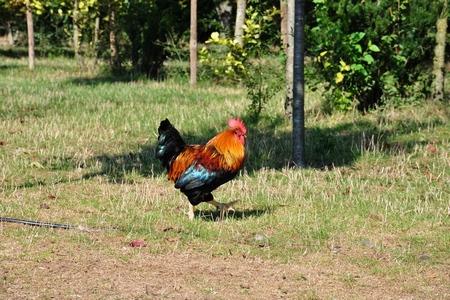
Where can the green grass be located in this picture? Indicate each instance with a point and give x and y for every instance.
(82, 143)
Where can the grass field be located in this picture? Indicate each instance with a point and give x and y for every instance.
(368, 218)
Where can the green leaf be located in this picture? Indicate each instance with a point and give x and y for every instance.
(368, 59)
(355, 37)
(400, 58)
(374, 48)
(359, 68)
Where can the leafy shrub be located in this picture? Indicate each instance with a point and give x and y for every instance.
(262, 83)
(372, 52)
(226, 60)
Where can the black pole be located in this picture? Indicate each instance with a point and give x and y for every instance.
(298, 104)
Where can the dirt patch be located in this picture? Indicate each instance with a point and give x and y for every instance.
(63, 269)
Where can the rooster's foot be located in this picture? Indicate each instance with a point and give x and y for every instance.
(224, 208)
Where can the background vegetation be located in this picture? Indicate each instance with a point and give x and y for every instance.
(362, 55)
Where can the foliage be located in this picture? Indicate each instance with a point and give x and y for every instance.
(367, 52)
(37, 6)
(224, 57)
(148, 29)
(270, 22)
(262, 83)
(143, 27)
(371, 52)
(228, 60)
(53, 20)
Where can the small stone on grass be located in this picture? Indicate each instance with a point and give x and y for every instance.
(138, 244)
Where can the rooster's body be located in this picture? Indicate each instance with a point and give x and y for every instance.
(197, 170)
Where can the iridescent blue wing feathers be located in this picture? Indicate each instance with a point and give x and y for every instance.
(195, 177)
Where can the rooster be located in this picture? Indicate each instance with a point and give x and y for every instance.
(197, 170)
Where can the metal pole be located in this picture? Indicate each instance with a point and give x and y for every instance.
(298, 111)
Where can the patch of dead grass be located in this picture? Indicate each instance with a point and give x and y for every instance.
(64, 269)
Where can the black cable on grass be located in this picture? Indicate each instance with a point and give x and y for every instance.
(42, 224)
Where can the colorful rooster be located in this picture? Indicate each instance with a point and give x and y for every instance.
(197, 170)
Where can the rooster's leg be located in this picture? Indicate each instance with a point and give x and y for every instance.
(224, 208)
(191, 212)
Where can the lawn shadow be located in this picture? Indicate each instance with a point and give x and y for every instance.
(8, 67)
(117, 167)
(107, 76)
(104, 79)
(20, 52)
(214, 215)
(329, 147)
(268, 147)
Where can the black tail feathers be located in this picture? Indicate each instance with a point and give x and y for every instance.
(170, 143)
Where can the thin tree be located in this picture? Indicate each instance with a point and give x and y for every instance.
(96, 37)
(112, 36)
(224, 9)
(30, 32)
(298, 112)
(289, 57)
(76, 30)
(10, 34)
(240, 20)
(439, 54)
(193, 44)
(283, 23)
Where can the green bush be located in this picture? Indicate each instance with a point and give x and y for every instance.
(227, 61)
(372, 52)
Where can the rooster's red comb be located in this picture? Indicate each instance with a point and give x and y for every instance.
(237, 123)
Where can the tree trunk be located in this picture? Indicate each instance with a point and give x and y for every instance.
(224, 10)
(96, 37)
(240, 20)
(112, 37)
(298, 111)
(30, 31)
(283, 23)
(290, 57)
(193, 44)
(439, 55)
(96, 31)
(9, 32)
(76, 31)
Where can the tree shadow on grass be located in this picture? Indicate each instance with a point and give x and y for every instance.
(214, 215)
(8, 67)
(269, 148)
(106, 78)
(334, 146)
(325, 147)
(19, 52)
(116, 167)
